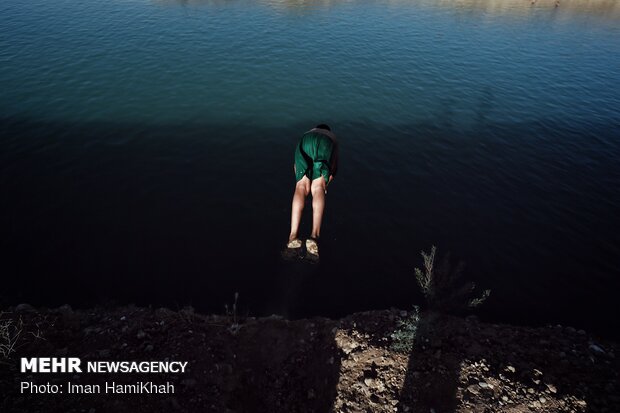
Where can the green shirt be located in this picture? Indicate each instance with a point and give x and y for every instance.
(316, 155)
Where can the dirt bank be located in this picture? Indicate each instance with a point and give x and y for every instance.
(380, 361)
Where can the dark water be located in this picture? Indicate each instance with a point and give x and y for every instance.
(146, 153)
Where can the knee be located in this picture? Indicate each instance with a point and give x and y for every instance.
(318, 186)
(302, 188)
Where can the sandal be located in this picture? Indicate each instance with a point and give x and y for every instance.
(296, 243)
(312, 249)
(292, 250)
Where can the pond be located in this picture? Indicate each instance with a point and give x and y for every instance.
(147, 150)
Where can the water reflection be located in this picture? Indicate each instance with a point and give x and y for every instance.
(610, 8)
(606, 8)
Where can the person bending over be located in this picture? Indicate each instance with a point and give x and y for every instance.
(316, 164)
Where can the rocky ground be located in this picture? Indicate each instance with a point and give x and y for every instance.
(380, 361)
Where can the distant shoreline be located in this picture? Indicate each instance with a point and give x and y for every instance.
(608, 7)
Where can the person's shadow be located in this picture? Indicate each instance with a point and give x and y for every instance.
(296, 366)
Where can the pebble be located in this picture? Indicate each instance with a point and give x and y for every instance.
(346, 344)
(65, 308)
(473, 389)
(552, 388)
(25, 308)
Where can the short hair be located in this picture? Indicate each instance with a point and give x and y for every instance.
(323, 126)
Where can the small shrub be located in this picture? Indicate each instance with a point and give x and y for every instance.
(443, 287)
(233, 318)
(187, 314)
(404, 336)
(10, 331)
(475, 302)
(426, 279)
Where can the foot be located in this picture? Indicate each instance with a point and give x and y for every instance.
(292, 250)
(312, 249)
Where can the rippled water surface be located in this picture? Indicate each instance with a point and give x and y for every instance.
(146, 152)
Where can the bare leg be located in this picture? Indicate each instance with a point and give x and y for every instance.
(302, 189)
(318, 205)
